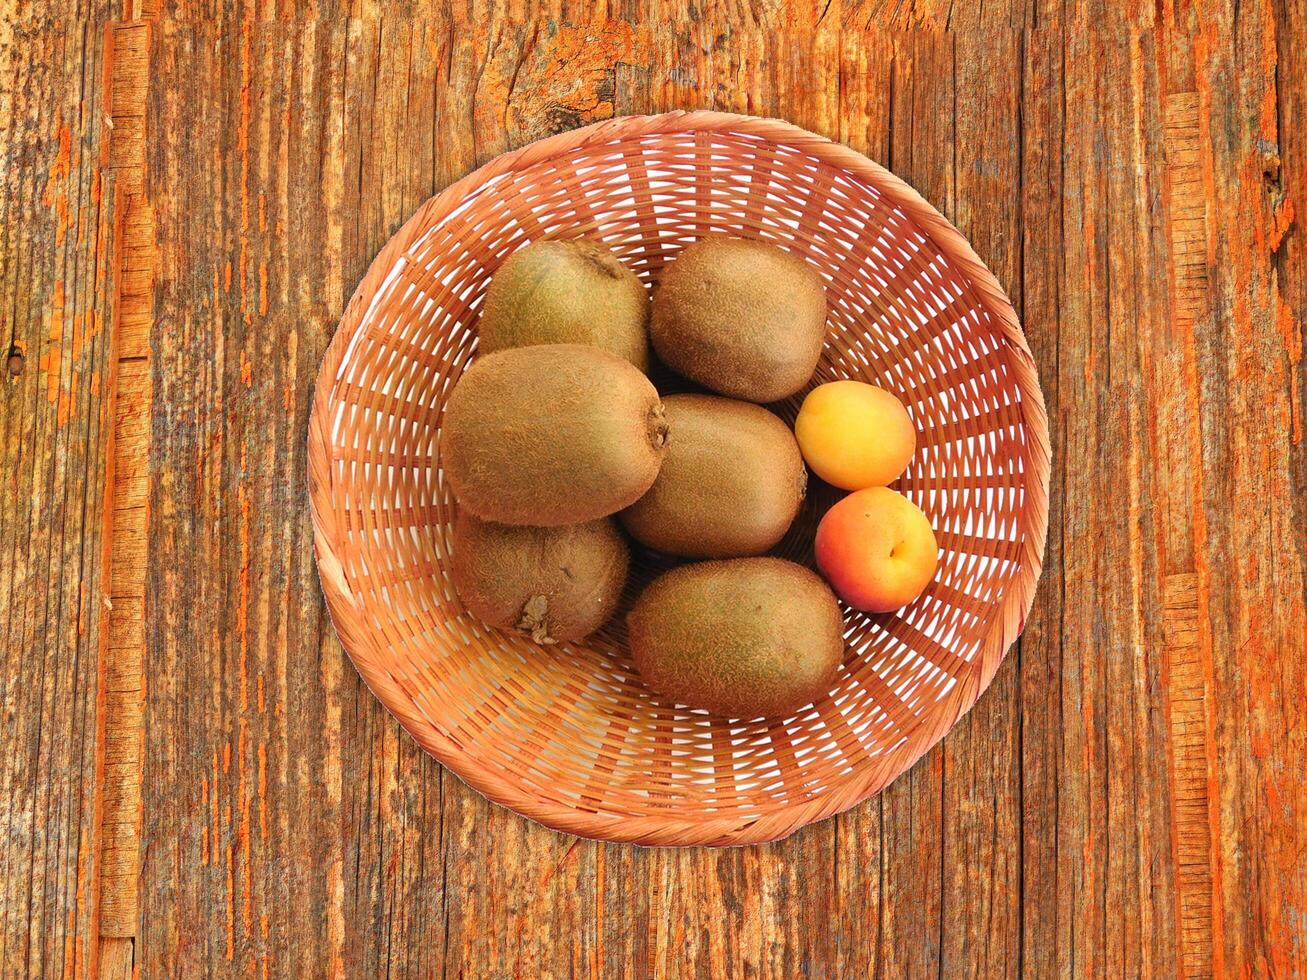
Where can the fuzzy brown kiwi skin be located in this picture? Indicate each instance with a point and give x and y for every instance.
(730, 485)
(567, 292)
(550, 435)
(742, 638)
(553, 584)
(743, 318)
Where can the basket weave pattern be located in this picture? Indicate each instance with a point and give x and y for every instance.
(569, 735)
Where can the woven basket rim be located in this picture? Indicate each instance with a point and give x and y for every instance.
(1007, 619)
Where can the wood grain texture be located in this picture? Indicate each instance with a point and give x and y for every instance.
(1126, 797)
(59, 215)
(125, 507)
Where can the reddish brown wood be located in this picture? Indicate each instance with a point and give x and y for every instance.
(60, 222)
(1126, 798)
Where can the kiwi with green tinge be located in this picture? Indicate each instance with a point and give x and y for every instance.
(743, 318)
(554, 584)
(550, 435)
(573, 292)
(730, 485)
(744, 638)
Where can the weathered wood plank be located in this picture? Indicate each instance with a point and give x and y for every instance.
(1040, 649)
(1282, 729)
(1096, 796)
(981, 812)
(58, 251)
(290, 849)
(126, 69)
(1252, 577)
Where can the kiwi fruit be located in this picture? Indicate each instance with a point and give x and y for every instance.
(743, 318)
(744, 638)
(550, 435)
(730, 484)
(573, 292)
(555, 584)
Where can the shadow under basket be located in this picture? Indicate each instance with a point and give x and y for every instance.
(569, 735)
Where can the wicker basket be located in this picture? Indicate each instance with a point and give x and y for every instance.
(569, 735)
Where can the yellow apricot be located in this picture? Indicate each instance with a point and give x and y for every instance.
(855, 435)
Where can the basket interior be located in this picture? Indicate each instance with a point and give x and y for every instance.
(573, 726)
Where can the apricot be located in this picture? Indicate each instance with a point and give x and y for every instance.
(877, 549)
(855, 435)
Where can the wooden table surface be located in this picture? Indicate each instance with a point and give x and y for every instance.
(193, 778)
